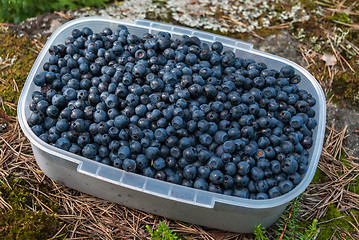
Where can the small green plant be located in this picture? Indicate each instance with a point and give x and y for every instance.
(14, 11)
(288, 227)
(311, 231)
(163, 232)
(259, 232)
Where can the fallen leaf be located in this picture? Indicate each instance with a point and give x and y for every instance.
(329, 59)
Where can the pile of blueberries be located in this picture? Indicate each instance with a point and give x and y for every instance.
(178, 110)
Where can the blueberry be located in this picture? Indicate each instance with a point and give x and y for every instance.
(214, 188)
(289, 166)
(129, 165)
(257, 173)
(205, 139)
(307, 142)
(169, 78)
(201, 184)
(287, 147)
(37, 129)
(152, 153)
(294, 178)
(217, 47)
(285, 186)
(275, 166)
(44, 137)
(204, 155)
(287, 71)
(215, 163)
(210, 91)
(177, 122)
(190, 154)
(190, 172)
(229, 146)
(132, 100)
(228, 182)
(296, 122)
(79, 125)
(262, 186)
(274, 192)
(62, 125)
(221, 137)
(121, 121)
(149, 172)
(159, 163)
(63, 143)
(230, 169)
(251, 148)
(243, 168)
(161, 134)
(241, 180)
(187, 182)
(262, 196)
(241, 192)
(58, 101)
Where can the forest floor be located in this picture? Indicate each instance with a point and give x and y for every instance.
(321, 36)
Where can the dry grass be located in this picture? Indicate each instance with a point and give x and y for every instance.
(340, 172)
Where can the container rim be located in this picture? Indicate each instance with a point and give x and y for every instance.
(216, 198)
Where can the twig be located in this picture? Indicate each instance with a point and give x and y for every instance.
(233, 21)
(354, 25)
(58, 232)
(286, 224)
(324, 222)
(347, 63)
(279, 26)
(63, 15)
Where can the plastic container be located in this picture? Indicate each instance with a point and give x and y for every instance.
(151, 195)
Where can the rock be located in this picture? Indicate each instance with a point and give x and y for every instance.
(40, 26)
(3, 127)
(342, 117)
(283, 45)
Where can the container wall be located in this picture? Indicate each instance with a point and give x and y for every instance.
(158, 197)
(221, 217)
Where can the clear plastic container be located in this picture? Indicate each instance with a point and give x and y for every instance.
(151, 195)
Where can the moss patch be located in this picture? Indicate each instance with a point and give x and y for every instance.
(336, 219)
(13, 73)
(347, 86)
(21, 222)
(319, 177)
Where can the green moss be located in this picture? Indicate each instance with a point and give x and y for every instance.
(341, 17)
(340, 221)
(19, 49)
(309, 5)
(319, 177)
(354, 186)
(265, 32)
(343, 159)
(346, 85)
(21, 222)
(334, 98)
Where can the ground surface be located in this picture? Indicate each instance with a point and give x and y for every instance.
(30, 202)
